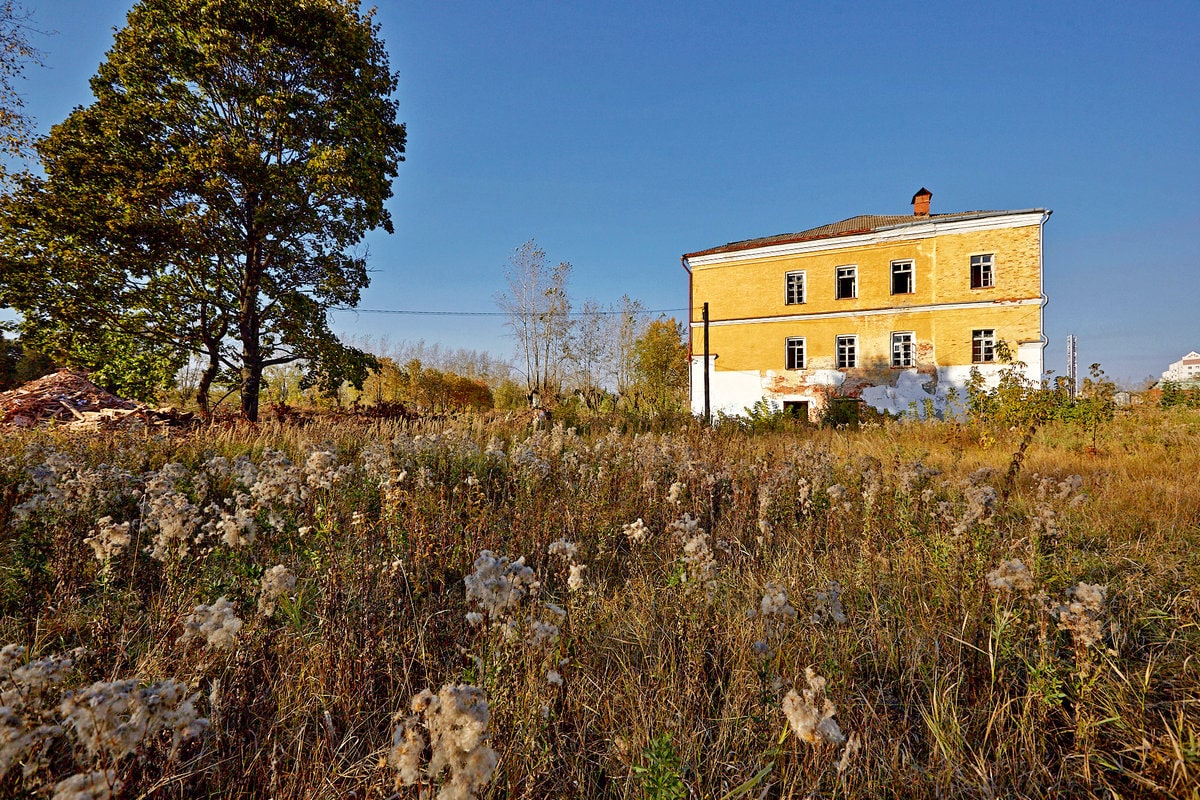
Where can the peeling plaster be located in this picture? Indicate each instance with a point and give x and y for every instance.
(907, 395)
(914, 390)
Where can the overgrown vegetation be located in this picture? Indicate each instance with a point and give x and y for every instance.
(322, 611)
(1174, 394)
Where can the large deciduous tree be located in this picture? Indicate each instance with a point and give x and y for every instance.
(211, 200)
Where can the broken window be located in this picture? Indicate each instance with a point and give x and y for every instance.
(902, 277)
(983, 346)
(982, 274)
(794, 291)
(847, 282)
(797, 409)
(847, 352)
(794, 356)
(903, 350)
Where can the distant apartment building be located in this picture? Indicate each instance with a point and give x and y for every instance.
(1185, 369)
(893, 309)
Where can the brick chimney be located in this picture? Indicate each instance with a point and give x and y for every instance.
(920, 202)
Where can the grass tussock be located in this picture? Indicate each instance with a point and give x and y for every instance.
(475, 610)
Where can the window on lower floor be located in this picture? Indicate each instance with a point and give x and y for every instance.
(982, 274)
(847, 282)
(797, 409)
(793, 288)
(794, 355)
(983, 346)
(847, 352)
(902, 277)
(903, 350)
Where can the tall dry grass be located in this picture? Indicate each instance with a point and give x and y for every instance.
(947, 685)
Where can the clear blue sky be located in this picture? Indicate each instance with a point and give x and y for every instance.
(623, 134)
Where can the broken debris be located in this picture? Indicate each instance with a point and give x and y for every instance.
(68, 399)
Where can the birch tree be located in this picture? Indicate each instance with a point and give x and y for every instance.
(628, 324)
(590, 351)
(539, 315)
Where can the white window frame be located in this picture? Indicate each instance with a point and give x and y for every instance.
(852, 273)
(846, 350)
(796, 277)
(790, 345)
(985, 261)
(983, 346)
(912, 275)
(899, 339)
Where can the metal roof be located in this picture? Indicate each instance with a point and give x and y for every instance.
(864, 223)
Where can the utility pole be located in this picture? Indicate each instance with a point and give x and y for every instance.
(707, 405)
(1072, 366)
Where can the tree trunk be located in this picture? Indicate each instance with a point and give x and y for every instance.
(251, 380)
(252, 366)
(213, 346)
(249, 321)
(202, 390)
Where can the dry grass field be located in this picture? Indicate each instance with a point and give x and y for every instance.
(339, 610)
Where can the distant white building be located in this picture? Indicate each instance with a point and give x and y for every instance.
(1185, 369)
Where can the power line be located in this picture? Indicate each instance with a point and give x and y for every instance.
(490, 313)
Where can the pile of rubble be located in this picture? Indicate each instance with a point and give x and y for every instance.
(69, 400)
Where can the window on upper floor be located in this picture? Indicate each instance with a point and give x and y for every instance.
(983, 346)
(903, 350)
(902, 277)
(847, 282)
(847, 352)
(983, 275)
(794, 352)
(793, 292)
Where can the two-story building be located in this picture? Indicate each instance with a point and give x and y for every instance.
(895, 309)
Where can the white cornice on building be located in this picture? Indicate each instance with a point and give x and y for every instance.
(872, 312)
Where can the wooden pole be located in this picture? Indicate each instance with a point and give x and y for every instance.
(707, 404)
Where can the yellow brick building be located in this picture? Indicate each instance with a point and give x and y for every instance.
(893, 309)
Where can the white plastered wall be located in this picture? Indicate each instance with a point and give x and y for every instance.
(733, 391)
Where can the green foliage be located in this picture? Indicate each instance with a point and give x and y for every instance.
(764, 416)
(425, 389)
(1174, 394)
(128, 367)
(660, 366)
(331, 364)
(211, 198)
(1018, 402)
(1015, 400)
(841, 412)
(1046, 683)
(26, 555)
(661, 776)
(1092, 407)
(20, 363)
(509, 395)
